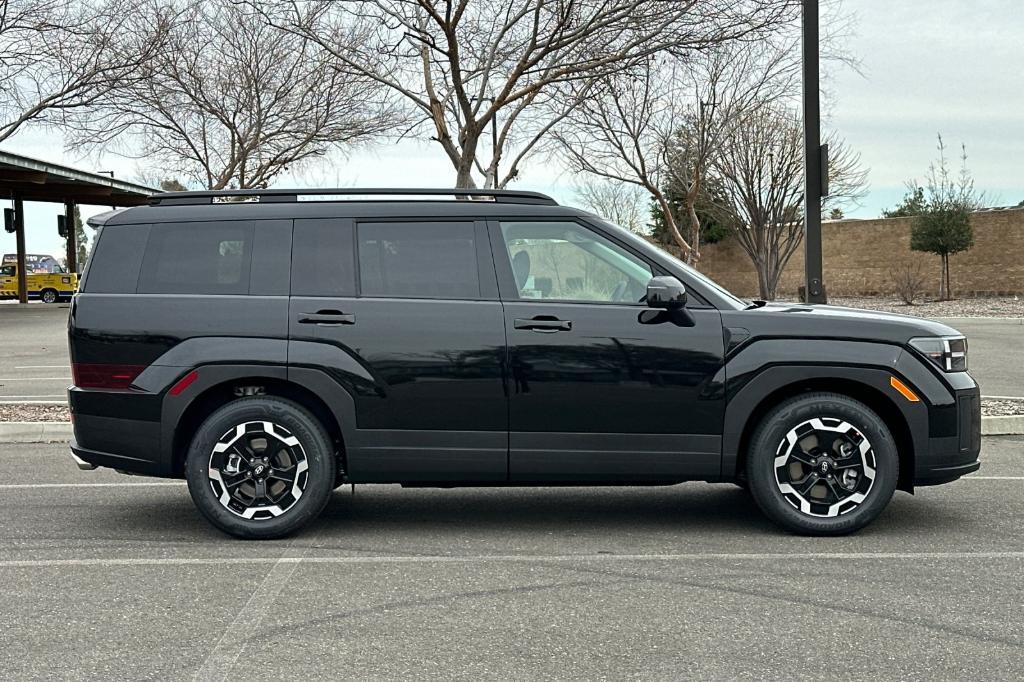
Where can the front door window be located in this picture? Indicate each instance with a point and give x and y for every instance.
(563, 261)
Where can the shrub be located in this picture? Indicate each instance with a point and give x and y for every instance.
(908, 281)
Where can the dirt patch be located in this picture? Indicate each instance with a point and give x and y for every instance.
(34, 413)
(962, 307)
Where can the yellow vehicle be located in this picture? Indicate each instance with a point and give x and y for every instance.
(49, 287)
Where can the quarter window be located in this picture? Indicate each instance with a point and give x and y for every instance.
(564, 261)
(418, 260)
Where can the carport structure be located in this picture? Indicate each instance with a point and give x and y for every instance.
(26, 179)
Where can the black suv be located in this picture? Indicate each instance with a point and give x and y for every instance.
(269, 346)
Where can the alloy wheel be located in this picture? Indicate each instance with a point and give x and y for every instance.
(825, 467)
(258, 470)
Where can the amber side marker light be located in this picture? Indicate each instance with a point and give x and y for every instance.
(903, 389)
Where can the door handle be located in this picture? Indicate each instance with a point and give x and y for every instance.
(330, 318)
(544, 324)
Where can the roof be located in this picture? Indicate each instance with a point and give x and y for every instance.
(35, 180)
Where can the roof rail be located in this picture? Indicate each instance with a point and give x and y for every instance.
(503, 196)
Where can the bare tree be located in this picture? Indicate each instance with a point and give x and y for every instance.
(760, 168)
(620, 133)
(659, 124)
(723, 87)
(61, 56)
(232, 102)
(517, 66)
(622, 203)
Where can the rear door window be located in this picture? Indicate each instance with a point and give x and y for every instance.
(198, 258)
(419, 260)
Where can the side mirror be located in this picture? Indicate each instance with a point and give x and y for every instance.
(666, 292)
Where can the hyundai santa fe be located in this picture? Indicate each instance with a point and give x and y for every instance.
(269, 346)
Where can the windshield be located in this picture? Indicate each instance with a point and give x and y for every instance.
(689, 270)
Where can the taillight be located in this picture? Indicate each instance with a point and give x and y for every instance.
(116, 377)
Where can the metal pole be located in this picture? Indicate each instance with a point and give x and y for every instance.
(494, 146)
(814, 276)
(19, 236)
(72, 240)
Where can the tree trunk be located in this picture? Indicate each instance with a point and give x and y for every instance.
(763, 290)
(691, 210)
(694, 256)
(464, 169)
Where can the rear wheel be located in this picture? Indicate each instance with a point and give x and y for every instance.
(49, 295)
(260, 468)
(822, 464)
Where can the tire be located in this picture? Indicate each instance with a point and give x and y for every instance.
(789, 463)
(221, 455)
(49, 296)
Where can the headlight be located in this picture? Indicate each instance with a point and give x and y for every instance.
(949, 353)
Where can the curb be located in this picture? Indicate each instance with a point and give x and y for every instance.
(55, 432)
(35, 432)
(1002, 426)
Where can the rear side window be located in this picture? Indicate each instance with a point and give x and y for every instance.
(198, 258)
(322, 258)
(418, 260)
(113, 267)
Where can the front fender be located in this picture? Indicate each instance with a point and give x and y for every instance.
(769, 367)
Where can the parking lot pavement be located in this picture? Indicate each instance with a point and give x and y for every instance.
(996, 354)
(119, 577)
(34, 364)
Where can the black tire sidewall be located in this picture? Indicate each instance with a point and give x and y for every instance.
(315, 443)
(772, 430)
(42, 296)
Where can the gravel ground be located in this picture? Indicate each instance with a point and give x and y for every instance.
(59, 413)
(34, 413)
(962, 307)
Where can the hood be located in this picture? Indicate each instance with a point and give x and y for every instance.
(826, 321)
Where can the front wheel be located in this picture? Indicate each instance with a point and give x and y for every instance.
(822, 464)
(260, 468)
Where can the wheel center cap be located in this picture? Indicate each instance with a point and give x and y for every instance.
(824, 466)
(259, 469)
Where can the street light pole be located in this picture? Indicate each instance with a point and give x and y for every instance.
(813, 171)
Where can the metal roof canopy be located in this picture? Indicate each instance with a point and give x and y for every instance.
(26, 179)
(30, 179)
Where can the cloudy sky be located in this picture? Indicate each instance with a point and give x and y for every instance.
(928, 66)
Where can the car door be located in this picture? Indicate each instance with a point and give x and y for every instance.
(405, 315)
(602, 388)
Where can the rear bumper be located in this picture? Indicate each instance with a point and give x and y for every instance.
(951, 456)
(129, 442)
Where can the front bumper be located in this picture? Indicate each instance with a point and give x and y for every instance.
(955, 452)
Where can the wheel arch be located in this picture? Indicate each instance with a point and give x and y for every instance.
(751, 404)
(222, 392)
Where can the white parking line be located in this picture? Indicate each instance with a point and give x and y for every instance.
(1002, 397)
(35, 379)
(220, 662)
(992, 478)
(13, 486)
(280, 563)
(43, 367)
